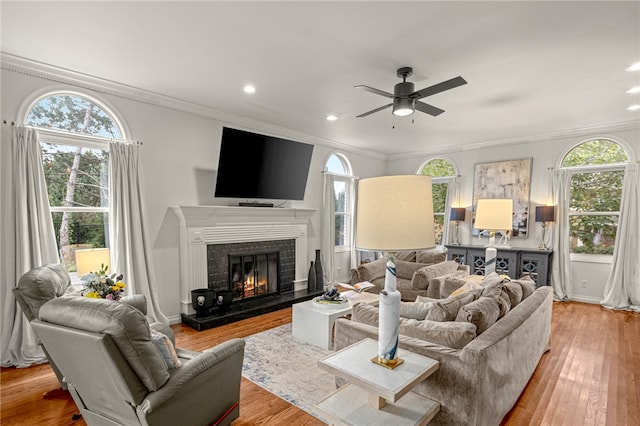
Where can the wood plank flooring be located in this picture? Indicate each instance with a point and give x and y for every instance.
(591, 376)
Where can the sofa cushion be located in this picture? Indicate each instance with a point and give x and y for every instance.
(513, 291)
(414, 310)
(430, 256)
(372, 270)
(126, 325)
(365, 313)
(407, 269)
(483, 313)
(527, 284)
(452, 334)
(406, 256)
(437, 270)
(447, 309)
(497, 292)
(39, 285)
(471, 282)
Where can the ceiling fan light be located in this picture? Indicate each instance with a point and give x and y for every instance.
(403, 107)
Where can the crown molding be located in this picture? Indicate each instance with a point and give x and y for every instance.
(69, 77)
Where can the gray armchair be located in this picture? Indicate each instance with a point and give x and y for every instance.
(117, 375)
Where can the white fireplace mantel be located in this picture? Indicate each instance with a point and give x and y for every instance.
(203, 225)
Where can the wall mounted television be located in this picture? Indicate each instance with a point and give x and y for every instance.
(254, 166)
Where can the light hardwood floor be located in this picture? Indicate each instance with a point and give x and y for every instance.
(591, 376)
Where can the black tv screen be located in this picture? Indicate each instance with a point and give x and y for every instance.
(258, 166)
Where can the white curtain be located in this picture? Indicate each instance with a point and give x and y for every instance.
(453, 194)
(561, 261)
(328, 228)
(353, 197)
(622, 290)
(130, 254)
(28, 240)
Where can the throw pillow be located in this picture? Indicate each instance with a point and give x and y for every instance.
(447, 309)
(513, 291)
(471, 283)
(365, 313)
(498, 294)
(483, 313)
(414, 310)
(168, 352)
(527, 284)
(437, 270)
(430, 256)
(452, 334)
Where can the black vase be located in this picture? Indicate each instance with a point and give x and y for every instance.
(311, 278)
(319, 272)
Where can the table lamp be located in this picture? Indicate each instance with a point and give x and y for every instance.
(394, 213)
(545, 214)
(493, 215)
(457, 214)
(91, 260)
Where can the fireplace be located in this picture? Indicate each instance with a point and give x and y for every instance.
(252, 269)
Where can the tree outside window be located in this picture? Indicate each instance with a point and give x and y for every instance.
(440, 171)
(596, 190)
(74, 132)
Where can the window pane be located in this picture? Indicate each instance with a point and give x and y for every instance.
(76, 176)
(73, 114)
(593, 234)
(439, 197)
(598, 151)
(438, 168)
(341, 229)
(596, 192)
(335, 165)
(75, 231)
(438, 222)
(340, 194)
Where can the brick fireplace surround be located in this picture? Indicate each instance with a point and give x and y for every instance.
(201, 226)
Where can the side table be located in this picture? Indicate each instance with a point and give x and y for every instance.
(377, 395)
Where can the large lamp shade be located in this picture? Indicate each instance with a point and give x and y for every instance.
(494, 214)
(91, 260)
(395, 213)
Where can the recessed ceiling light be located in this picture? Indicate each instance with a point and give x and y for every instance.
(331, 117)
(634, 107)
(634, 90)
(634, 67)
(249, 89)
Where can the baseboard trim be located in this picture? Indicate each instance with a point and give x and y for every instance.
(586, 299)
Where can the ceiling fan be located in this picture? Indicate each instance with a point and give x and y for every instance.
(406, 100)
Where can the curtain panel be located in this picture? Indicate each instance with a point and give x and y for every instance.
(328, 243)
(561, 264)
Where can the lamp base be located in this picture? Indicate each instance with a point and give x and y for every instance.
(387, 363)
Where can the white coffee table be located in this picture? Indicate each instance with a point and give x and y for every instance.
(314, 324)
(377, 395)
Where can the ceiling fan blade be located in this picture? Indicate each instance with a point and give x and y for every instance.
(374, 90)
(428, 109)
(437, 88)
(373, 110)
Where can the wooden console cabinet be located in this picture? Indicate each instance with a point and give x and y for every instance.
(515, 262)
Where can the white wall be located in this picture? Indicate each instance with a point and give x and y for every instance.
(179, 159)
(589, 274)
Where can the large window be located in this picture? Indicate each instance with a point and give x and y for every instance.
(74, 133)
(596, 189)
(441, 172)
(338, 165)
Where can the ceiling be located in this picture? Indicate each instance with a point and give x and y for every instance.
(533, 68)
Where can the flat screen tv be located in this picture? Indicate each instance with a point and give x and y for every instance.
(258, 166)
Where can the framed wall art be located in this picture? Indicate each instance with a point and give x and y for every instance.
(505, 179)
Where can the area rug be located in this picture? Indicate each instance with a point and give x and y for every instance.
(288, 368)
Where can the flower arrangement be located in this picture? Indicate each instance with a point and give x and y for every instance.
(99, 285)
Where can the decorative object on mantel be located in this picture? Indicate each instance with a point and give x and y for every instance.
(391, 217)
(545, 214)
(99, 285)
(319, 272)
(311, 278)
(493, 215)
(202, 301)
(457, 214)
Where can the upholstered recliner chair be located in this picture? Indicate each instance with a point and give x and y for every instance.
(120, 372)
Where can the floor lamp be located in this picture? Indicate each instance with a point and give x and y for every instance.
(545, 214)
(394, 213)
(457, 214)
(493, 215)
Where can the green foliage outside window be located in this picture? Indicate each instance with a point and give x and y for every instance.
(594, 196)
(438, 168)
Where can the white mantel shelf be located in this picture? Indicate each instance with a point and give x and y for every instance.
(203, 225)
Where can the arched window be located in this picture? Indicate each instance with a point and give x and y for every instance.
(74, 134)
(442, 172)
(338, 165)
(597, 168)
